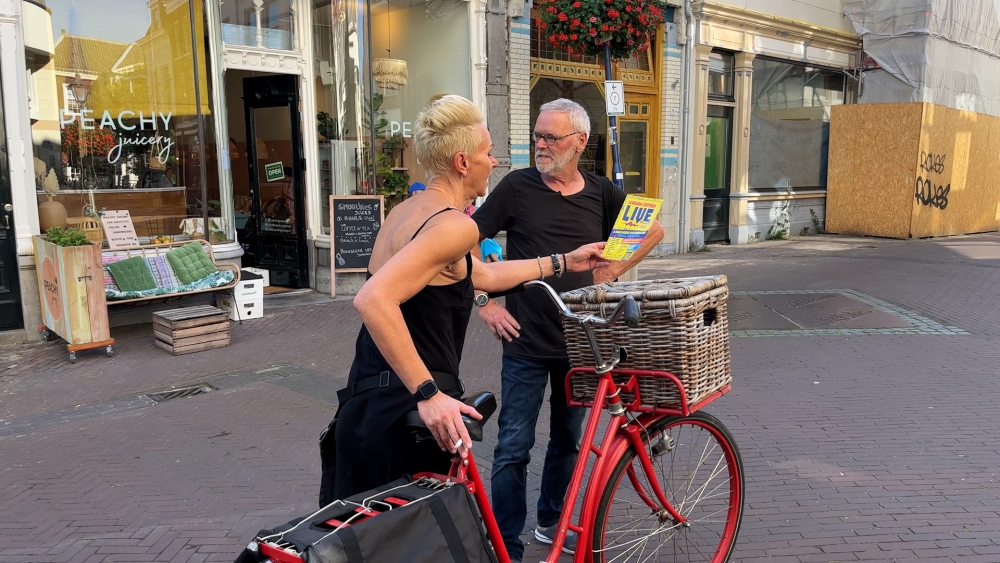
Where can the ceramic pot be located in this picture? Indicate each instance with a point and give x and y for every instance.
(51, 213)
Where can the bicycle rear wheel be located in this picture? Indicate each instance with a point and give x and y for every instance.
(700, 472)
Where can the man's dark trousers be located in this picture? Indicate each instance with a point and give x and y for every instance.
(523, 384)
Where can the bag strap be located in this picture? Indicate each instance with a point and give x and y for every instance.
(448, 529)
(351, 546)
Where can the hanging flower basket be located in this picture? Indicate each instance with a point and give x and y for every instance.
(584, 27)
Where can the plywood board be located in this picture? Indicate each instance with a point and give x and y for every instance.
(957, 182)
(871, 168)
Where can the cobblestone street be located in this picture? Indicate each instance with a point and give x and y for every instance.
(869, 431)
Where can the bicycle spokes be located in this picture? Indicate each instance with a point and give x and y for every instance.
(698, 470)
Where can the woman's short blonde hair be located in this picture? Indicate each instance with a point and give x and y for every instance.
(450, 124)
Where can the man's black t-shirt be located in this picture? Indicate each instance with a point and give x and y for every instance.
(540, 221)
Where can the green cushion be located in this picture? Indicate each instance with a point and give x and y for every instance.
(132, 274)
(190, 263)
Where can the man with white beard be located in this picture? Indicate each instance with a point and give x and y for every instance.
(546, 210)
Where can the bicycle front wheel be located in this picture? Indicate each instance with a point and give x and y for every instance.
(698, 467)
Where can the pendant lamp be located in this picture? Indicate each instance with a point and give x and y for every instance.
(389, 73)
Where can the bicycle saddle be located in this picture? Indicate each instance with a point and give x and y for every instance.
(485, 404)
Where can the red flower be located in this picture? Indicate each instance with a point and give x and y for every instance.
(592, 32)
(543, 25)
(574, 24)
(628, 9)
(604, 27)
(563, 37)
(563, 17)
(613, 14)
(593, 19)
(551, 9)
(577, 5)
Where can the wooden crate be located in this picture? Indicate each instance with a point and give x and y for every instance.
(191, 329)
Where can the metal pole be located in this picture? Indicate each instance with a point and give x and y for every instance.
(201, 124)
(687, 132)
(617, 177)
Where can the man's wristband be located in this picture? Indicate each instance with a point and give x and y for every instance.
(556, 265)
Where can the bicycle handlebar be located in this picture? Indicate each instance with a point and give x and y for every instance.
(627, 308)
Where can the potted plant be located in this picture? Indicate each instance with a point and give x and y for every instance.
(71, 289)
(394, 184)
(394, 147)
(328, 127)
(615, 29)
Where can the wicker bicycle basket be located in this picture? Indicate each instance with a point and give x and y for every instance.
(684, 330)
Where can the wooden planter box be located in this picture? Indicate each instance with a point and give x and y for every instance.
(71, 291)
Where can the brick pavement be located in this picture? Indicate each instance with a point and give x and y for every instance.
(857, 448)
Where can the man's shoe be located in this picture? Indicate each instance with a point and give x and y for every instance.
(545, 536)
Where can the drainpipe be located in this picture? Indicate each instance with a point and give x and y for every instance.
(687, 132)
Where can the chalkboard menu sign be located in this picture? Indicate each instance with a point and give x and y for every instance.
(354, 222)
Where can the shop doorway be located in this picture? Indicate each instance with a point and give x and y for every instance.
(271, 220)
(718, 158)
(10, 292)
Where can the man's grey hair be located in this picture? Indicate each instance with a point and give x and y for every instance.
(577, 115)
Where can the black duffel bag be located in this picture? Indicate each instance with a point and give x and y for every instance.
(439, 524)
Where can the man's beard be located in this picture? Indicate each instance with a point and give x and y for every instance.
(552, 164)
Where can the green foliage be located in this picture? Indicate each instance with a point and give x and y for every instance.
(395, 142)
(66, 237)
(779, 230)
(380, 121)
(583, 27)
(329, 127)
(816, 225)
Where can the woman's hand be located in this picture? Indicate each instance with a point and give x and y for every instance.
(443, 416)
(586, 258)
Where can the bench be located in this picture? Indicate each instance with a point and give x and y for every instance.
(227, 277)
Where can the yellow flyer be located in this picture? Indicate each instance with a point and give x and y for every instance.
(631, 226)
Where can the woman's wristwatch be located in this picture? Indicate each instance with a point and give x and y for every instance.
(481, 299)
(426, 390)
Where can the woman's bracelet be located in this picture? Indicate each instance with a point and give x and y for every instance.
(541, 272)
(565, 264)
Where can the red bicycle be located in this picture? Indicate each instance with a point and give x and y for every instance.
(665, 484)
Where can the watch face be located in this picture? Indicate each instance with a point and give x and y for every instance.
(427, 389)
(482, 299)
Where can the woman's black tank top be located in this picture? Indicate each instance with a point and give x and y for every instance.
(436, 317)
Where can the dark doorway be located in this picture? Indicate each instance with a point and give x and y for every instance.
(718, 159)
(275, 234)
(10, 291)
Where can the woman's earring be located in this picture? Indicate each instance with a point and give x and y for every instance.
(464, 175)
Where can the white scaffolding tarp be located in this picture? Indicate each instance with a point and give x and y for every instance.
(945, 52)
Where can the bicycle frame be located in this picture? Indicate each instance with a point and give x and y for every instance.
(618, 437)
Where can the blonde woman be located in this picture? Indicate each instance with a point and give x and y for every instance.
(416, 306)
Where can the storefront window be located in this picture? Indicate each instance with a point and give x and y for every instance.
(400, 32)
(256, 23)
(343, 100)
(120, 126)
(790, 123)
(367, 104)
(720, 75)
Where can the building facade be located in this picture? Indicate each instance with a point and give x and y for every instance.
(766, 73)
(232, 121)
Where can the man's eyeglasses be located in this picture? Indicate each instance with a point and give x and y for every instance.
(551, 139)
